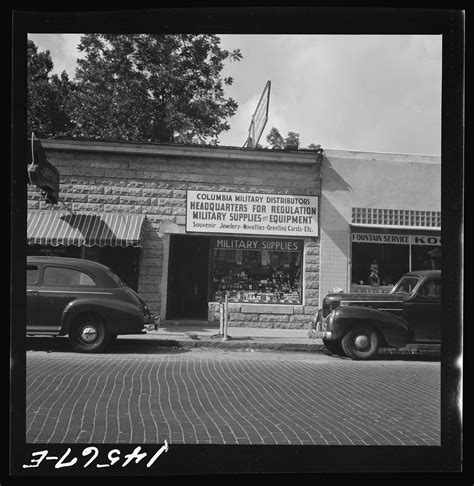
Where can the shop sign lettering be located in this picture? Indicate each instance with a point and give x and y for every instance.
(256, 244)
(248, 213)
(426, 240)
(396, 239)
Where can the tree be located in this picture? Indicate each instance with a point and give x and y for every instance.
(48, 96)
(274, 139)
(152, 87)
(292, 141)
(317, 148)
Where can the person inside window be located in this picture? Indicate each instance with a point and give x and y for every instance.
(374, 278)
(431, 289)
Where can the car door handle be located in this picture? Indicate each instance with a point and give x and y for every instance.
(29, 291)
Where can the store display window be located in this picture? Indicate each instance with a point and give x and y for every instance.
(425, 257)
(257, 270)
(378, 265)
(379, 260)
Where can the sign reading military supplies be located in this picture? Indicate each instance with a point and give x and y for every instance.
(253, 214)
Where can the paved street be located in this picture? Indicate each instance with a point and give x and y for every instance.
(216, 396)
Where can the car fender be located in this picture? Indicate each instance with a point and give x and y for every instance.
(392, 328)
(119, 317)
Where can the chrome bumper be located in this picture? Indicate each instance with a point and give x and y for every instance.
(313, 334)
(317, 332)
(153, 323)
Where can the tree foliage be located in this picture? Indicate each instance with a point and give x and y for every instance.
(290, 142)
(152, 87)
(276, 140)
(48, 96)
(135, 87)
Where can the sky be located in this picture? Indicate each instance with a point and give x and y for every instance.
(370, 93)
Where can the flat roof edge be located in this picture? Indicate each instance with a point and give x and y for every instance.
(171, 150)
(382, 156)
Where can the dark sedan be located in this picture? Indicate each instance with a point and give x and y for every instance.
(357, 325)
(82, 299)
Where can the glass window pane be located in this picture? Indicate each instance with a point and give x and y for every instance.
(66, 277)
(258, 274)
(431, 289)
(391, 262)
(31, 274)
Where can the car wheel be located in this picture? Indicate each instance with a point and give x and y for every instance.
(333, 346)
(361, 342)
(89, 335)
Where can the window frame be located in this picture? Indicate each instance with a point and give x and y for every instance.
(62, 267)
(254, 296)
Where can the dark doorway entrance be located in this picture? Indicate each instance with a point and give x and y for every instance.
(188, 271)
(124, 261)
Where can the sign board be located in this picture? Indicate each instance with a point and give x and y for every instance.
(252, 214)
(42, 173)
(259, 118)
(396, 239)
(255, 244)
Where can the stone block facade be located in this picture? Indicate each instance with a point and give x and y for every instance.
(152, 180)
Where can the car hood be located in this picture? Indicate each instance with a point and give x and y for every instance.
(367, 297)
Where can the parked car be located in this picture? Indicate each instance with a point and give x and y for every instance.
(82, 299)
(359, 324)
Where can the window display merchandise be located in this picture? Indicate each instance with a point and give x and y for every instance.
(253, 270)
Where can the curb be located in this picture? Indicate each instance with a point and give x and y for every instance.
(231, 344)
(240, 345)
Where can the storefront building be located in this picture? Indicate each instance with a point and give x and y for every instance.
(380, 218)
(187, 225)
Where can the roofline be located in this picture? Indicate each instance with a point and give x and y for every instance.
(383, 156)
(301, 156)
(177, 150)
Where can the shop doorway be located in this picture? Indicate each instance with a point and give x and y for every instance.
(188, 281)
(124, 261)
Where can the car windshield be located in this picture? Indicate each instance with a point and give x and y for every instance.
(405, 285)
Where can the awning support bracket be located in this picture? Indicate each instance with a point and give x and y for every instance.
(67, 207)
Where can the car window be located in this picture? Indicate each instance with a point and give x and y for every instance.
(405, 285)
(66, 276)
(431, 289)
(31, 274)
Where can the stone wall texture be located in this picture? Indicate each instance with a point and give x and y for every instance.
(155, 185)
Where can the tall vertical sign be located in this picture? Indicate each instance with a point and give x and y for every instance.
(259, 118)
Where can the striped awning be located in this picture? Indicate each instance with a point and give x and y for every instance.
(103, 229)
